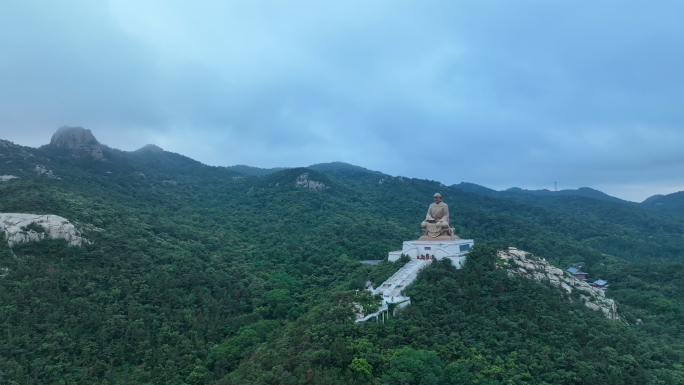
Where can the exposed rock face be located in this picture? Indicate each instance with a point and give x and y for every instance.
(304, 181)
(389, 179)
(21, 228)
(44, 170)
(5, 178)
(80, 141)
(522, 263)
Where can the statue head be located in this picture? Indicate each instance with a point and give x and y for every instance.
(438, 197)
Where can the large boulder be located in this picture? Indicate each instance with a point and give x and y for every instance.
(78, 140)
(22, 228)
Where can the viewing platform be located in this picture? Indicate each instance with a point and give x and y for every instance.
(454, 249)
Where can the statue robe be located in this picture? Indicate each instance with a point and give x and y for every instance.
(439, 212)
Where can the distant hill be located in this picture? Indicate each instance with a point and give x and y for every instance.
(255, 171)
(342, 167)
(474, 188)
(673, 203)
(335, 167)
(582, 192)
(653, 198)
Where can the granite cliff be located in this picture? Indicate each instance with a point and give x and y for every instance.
(78, 140)
(22, 228)
(304, 181)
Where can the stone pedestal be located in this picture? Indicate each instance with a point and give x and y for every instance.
(450, 247)
(440, 238)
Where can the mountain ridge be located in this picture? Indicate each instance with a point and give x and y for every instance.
(581, 191)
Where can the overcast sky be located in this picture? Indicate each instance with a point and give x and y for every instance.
(499, 93)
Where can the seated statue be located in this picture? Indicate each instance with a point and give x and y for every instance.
(436, 221)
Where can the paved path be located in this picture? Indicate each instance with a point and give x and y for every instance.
(391, 289)
(402, 278)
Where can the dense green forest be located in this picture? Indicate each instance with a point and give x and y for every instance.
(206, 275)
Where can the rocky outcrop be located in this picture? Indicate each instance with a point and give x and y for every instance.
(388, 179)
(42, 170)
(5, 178)
(11, 150)
(22, 228)
(304, 181)
(518, 262)
(78, 140)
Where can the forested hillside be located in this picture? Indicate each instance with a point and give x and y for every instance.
(671, 203)
(582, 192)
(203, 275)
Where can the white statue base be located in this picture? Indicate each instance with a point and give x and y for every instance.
(454, 249)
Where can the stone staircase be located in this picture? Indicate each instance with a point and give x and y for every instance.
(373, 315)
(402, 278)
(392, 287)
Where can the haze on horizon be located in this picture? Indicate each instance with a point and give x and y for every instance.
(497, 93)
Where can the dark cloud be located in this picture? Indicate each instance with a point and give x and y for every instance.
(493, 92)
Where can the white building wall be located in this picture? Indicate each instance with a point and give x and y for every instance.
(440, 249)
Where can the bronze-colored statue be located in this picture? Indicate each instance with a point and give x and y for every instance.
(436, 221)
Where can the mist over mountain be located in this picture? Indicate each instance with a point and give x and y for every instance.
(78, 140)
(195, 274)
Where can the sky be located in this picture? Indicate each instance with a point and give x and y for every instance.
(501, 93)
